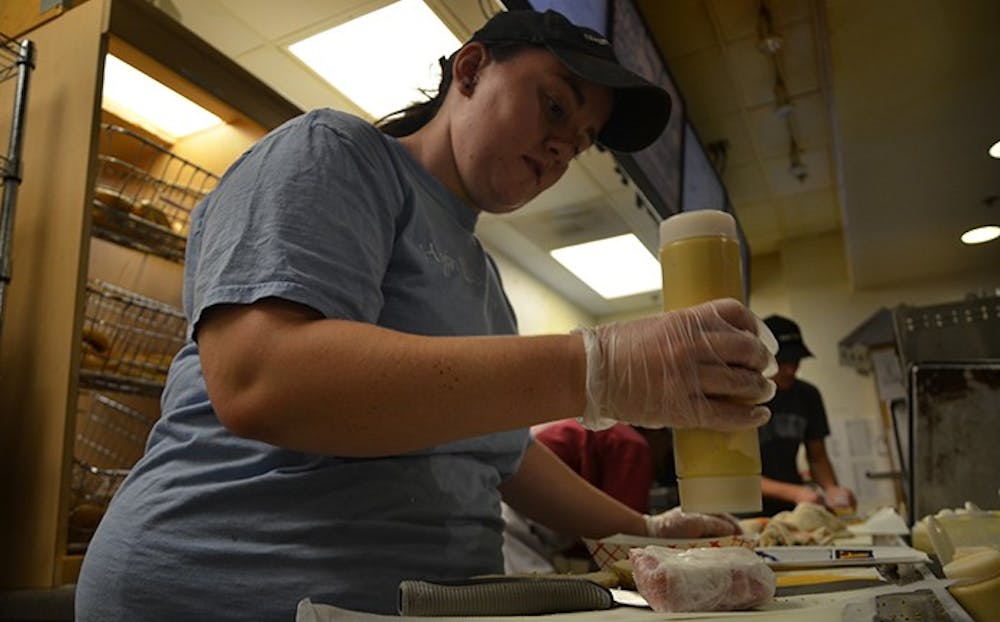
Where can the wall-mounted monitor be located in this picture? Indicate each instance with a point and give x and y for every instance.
(701, 187)
(656, 170)
(590, 13)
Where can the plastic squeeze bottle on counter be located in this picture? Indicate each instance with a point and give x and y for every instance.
(700, 261)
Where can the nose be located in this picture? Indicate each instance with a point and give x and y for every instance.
(561, 148)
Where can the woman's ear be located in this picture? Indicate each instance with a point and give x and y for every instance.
(466, 66)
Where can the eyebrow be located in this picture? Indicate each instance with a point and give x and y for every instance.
(573, 82)
(575, 87)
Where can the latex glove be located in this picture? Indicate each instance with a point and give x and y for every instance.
(675, 523)
(701, 367)
(840, 498)
(807, 494)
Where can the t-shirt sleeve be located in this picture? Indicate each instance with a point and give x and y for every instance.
(308, 215)
(817, 427)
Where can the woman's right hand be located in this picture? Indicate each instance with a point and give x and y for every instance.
(700, 367)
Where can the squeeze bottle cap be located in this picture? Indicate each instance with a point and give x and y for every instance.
(697, 224)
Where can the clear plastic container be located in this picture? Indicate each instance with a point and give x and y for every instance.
(700, 260)
(967, 526)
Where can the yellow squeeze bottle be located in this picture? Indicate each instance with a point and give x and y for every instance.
(700, 261)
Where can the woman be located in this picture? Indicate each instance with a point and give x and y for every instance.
(352, 402)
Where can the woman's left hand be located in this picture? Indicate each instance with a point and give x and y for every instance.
(675, 523)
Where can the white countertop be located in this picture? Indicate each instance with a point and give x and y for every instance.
(853, 605)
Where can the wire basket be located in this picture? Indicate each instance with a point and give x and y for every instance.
(144, 193)
(110, 438)
(128, 340)
(9, 55)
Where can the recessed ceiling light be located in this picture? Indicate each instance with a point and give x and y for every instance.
(139, 99)
(384, 60)
(981, 234)
(612, 267)
(995, 150)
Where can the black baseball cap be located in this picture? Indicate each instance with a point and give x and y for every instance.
(641, 108)
(791, 348)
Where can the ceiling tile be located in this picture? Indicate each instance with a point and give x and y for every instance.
(808, 213)
(798, 60)
(736, 18)
(760, 225)
(753, 70)
(290, 78)
(745, 183)
(733, 128)
(782, 181)
(759, 214)
(785, 12)
(214, 23)
(705, 84)
(575, 187)
(298, 18)
(811, 120)
(601, 167)
(681, 26)
(770, 132)
(568, 224)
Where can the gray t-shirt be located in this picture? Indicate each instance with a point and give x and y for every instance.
(328, 212)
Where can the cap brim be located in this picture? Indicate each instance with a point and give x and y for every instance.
(641, 109)
(792, 352)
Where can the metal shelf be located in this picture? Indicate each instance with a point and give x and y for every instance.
(128, 340)
(144, 193)
(16, 60)
(110, 438)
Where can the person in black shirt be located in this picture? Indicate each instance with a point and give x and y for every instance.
(797, 417)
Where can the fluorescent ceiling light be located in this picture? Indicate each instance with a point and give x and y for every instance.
(995, 150)
(981, 234)
(139, 99)
(383, 59)
(612, 267)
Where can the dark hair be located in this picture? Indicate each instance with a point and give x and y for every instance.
(410, 119)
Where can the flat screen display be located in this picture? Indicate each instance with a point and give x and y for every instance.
(592, 14)
(702, 188)
(656, 170)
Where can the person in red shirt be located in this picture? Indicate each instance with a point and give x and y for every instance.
(616, 460)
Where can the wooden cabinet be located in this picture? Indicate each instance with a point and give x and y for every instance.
(56, 259)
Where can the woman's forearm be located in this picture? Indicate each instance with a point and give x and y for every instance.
(276, 373)
(549, 492)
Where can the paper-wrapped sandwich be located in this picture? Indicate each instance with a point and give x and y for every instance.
(719, 579)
